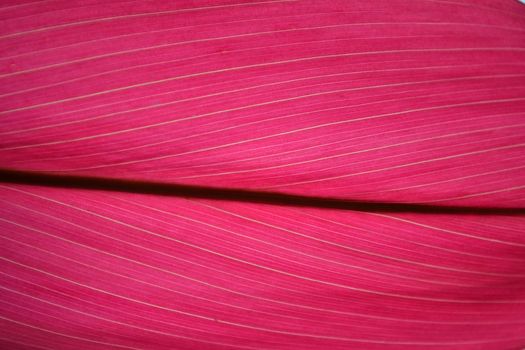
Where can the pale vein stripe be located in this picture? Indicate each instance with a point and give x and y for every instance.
(448, 180)
(278, 134)
(395, 156)
(514, 188)
(310, 140)
(107, 19)
(211, 285)
(252, 87)
(101, 306)
(402, 342)
(353, 152)
(240, 325)
(116, 53)
(195, 27)
(393, 228)
(215, 270)
(70, 324)
(299, 277)
(249, 309)
(126, 101)
(67, 335)
(366, 278)
(171, 335)
(453, 232)
(273, 32)
(274, 245)
(267, 64)
(486, 8)
(181, 259)
(515, 229)
(305, 236)
(390, 156)
(429, 172)
(191, 278)
(176, 258)
(399, 166)
(275, 227)
(190, 262)
(196, 59)
(191, 59)
(142, 97)
(329, 242)
(295, 98)
(232, 22)
(375, 233)
(469, 186)
(198, 281)
(22, 5)
(236, 126)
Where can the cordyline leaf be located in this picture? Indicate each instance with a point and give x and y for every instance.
(262, 174)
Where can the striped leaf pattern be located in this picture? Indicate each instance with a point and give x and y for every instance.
(411, 104)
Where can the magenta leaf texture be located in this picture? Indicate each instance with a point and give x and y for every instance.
(227, 174)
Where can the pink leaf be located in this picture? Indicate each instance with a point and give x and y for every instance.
(262, 175)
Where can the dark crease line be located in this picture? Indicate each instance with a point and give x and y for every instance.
(239, 195)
